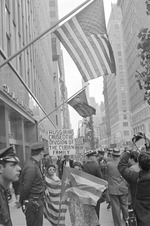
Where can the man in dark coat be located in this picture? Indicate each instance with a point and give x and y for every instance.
(102, 160)
(139, 186)
(118, 190)
(66, 162)
(33, 186)
(92, 167)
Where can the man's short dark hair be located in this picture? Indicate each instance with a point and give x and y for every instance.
(3, 163)
(134, 155)
(144, 161)
(35, 152)
(36, 148)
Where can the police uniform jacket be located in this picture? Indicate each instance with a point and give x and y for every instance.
(140, 190)
(116, 183)
(32, 181)
(92, 168)
(4, 208)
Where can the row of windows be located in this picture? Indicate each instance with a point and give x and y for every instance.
(126, 133)
(141, 115)
(125, 124)
(128, 13)
(140, 128)
(114, 120)
(33, 64)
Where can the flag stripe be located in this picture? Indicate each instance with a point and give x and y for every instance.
(52, 203)
(87, 176)
(90, 183)
(55, 209)
(72, 34)
(54, 220)
(84, 196)
(103, 57)
(74, 55)
(107, 50)
(85, 44)
(98, 51)
(83, 48)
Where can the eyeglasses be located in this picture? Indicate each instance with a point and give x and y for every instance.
(51, 169)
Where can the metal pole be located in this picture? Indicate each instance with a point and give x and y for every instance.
(42, 34)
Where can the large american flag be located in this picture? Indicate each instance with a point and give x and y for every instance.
(85, 38)
(52, 203)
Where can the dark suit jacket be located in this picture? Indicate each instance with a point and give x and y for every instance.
(70, 162)
(140, 190)
(93, 169)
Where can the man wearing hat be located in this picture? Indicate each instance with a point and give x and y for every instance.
(91, 166)
(118, 190)
(9, 172)
(109, 154)
(32, 186)
(66, 162)
(139, 182)
(103, 166)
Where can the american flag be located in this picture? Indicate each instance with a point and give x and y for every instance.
(85, 38)
(52, 203)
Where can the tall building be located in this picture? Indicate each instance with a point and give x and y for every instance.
(133, 19)
(115, 86)
(62, 113)
(30, 85)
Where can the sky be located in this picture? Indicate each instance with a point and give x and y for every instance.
(72, 75)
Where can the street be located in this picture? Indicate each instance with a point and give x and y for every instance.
(19, 219)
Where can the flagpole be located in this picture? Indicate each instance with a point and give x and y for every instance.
(139, 74)
(52, 29)
(62, 103)
(59, 212)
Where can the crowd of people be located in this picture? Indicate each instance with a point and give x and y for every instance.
(127, 173)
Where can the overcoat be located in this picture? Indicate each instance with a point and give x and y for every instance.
(140, 190)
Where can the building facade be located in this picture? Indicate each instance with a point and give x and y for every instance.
(115, 86)
(134, 18)
(29, 83)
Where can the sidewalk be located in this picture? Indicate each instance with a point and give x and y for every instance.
(18, 217)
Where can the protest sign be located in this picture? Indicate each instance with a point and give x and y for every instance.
(61, 142)
(79, 145)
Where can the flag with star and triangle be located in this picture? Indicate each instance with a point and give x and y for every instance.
(87, 187)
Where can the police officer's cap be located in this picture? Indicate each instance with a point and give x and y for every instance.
(116, 152)
(101, 152)
(110, 150)
(37, 146)
(8, 155)
(91, 153)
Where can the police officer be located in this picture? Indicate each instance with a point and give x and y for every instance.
(32, 186)
(9, 172)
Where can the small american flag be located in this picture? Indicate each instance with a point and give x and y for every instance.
(85, 38)
(52, 203)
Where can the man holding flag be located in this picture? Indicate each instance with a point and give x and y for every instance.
(87, 187)
(92, 167)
